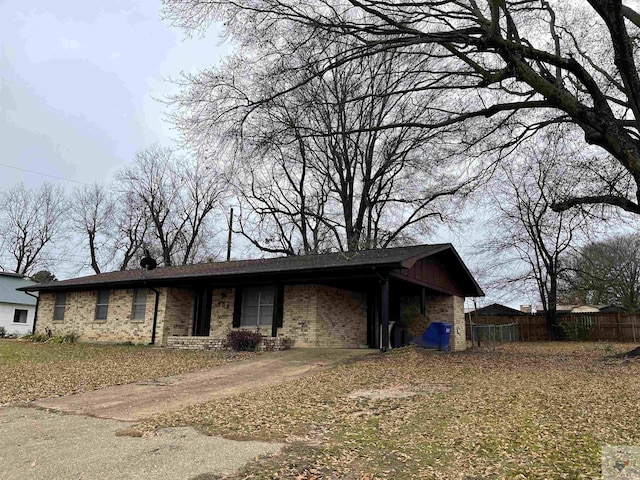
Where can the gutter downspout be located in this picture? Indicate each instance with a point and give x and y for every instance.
(155, 315)
(35, 314)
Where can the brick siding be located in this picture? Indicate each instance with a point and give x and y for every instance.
(313, 316)
(449, 309)
(221, 312)
(211, 343)
(341, 318)
(79, 317)
(178, 314)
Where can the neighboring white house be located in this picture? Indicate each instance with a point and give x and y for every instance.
(17, 309)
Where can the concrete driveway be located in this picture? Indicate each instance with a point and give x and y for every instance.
(40, 445)
(132, 402)
(75, 438)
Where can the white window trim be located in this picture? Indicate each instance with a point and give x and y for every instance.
(26, 316)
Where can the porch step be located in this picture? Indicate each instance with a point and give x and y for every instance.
(209, 343)
(197, 343)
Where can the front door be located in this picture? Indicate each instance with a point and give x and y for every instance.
(202, 313)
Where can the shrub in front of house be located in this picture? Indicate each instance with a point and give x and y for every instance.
(243, 340)
(45, 338)
(35, 337)
(66, 338)
(3, 332)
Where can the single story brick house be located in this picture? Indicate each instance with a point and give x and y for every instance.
(365, 299)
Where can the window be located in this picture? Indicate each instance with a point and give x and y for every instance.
(102, 304)
(257, 306)
(20, 316)
(139, 304)
(61, 303)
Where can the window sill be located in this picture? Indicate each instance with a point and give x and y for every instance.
(95, 320)
(137, 320)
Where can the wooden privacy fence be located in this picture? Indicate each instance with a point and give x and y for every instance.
(615, 327)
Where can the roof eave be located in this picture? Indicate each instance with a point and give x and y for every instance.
(230, 278)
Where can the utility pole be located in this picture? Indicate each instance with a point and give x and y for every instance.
(230, 232)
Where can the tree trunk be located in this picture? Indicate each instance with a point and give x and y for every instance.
(552, 312)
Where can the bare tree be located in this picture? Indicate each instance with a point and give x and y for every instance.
(528, 240)
(605, 272)
(176, 196)
(318, 169)
(517, 66)
(30, 222)
(93, 212)
(132, 226)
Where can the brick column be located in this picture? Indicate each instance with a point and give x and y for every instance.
(449, 309)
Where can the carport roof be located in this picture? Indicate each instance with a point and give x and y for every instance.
(338, 263)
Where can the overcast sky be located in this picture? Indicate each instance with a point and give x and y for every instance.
(78, 83)
(78, 89)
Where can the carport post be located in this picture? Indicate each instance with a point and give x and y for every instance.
(384, 291)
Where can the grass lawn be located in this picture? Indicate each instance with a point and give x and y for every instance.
(29, 371)
(522, 411)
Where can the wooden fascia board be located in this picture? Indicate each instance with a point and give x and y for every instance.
(406, 278)
(411, 261)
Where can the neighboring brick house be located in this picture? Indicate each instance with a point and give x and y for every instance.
(373, 298)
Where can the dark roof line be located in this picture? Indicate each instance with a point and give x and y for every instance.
(390, 258)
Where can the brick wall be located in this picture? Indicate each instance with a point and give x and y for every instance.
(410, 315)
(341, 318)
(177, 314)
(221, 312)
(313, 316)
(459, 342)
(211, 343)
(449, 309)
(79, 317)
(299, 315)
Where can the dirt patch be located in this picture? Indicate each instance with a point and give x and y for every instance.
(400, 391)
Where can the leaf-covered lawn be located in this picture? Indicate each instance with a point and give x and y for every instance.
(29, 371)
(523, 411)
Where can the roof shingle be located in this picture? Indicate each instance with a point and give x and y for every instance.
(389, 258)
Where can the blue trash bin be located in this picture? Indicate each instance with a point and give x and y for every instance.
(437, 336)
